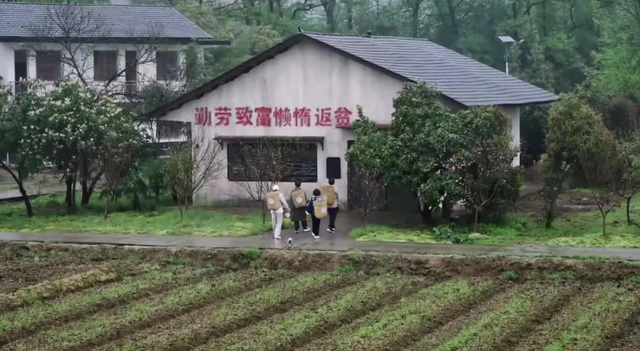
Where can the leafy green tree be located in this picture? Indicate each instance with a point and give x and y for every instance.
(628, 172)
(572, 123)
(486, 159)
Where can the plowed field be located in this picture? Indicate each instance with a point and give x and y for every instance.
(158, 305)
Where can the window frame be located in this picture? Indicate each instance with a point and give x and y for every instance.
(163, 70)
(303, 147)
(46, 69)
(100, 75)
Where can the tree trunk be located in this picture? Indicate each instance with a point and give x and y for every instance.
(88, 191)
(415, 12)
(426, 214)
(447, 208)
(106, 207)
(475, 220)
(70, 182)
(628, 211)
(349, 15)
(604, 226)
(25, 198)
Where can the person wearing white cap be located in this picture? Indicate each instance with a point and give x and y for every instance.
(276, 203)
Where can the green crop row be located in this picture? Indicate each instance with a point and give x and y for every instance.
(520, 311)
(35, 316)
(103, 326)
(412, 315)
(593, 329)
(246, 309)
(288, 330)
(50, 289)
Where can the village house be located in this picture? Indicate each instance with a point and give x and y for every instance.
(120, 47)
(114, 48)
(305, 91)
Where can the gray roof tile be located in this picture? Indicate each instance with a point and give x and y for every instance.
(457, 76)
(26, 20)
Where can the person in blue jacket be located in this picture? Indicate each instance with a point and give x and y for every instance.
(315, 222)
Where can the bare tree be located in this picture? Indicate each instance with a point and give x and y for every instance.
(259, 165)
(116, 162)
(192, 165)
(73, 30)
(370, 195)
(68, 34)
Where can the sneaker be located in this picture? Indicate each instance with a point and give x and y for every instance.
(315, 236)
(329, 230)
(305, 230)
(278, 237)
(295, 232)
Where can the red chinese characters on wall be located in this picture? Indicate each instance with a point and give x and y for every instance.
(274, 116)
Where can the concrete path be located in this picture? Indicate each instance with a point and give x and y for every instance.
(331, 242)
(15, 193)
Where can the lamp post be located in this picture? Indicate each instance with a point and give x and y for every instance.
(507, 41)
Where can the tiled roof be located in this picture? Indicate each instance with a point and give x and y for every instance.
(458, 77)
(29, 20)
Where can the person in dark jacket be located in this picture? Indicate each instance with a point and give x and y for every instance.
(298, 214)
(315, 222)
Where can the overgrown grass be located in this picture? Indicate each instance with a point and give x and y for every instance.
(158, 218)
(578, 229)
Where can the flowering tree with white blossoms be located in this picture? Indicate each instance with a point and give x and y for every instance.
(79, 123)
(21, 131)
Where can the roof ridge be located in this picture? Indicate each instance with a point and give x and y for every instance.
(84, 5)
(365, 36)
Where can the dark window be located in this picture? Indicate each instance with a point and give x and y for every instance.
(48, 65)
(333, 168)
(167, 65)
(272, 161)
(105, 65)
(172, 129)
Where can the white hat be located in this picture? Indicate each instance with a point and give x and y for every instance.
(275, 188)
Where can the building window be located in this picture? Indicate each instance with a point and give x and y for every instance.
(167, 65)
(48, 65)
(334, 171)
(105, 65)
(173, 130)
(272, 161)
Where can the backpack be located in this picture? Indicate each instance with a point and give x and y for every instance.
(299, 198)
(273, 200)
(330, 194)
(320, 207)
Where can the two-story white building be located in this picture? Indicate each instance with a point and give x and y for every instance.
(305, 91)
(118, 46)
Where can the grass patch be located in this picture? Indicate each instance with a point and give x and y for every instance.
(510, 276)
(577, 229)
(160, 219)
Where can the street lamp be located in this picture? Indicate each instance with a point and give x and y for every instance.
(507, 41)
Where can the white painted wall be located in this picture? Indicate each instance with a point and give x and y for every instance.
(310, 76)
(84, 58)
(513, 114)
(305, 76)
(6, 63)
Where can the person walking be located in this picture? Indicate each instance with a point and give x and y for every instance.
(298, 208)
(276, 203)
(317, 208)
(333, 200)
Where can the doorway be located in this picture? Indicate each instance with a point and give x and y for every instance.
(20, 69)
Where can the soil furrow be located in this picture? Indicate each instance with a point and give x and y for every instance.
(218, 320)
(497, 330)
(54, 288)
(450, 330)
(20, 323)
(107, 326)
(631, 340)
(400, 325)
(602, 324)
(298, 327)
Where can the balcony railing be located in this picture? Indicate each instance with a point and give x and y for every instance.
(115, 88)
